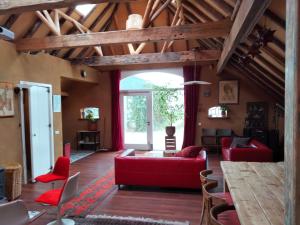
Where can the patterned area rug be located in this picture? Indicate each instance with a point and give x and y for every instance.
(90, 196)
(121, 220)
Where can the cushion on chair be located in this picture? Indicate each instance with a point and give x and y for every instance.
(239, 141)
(46, 178)
(189, 152)
(228, 217)
(224, 195)
(50, 197)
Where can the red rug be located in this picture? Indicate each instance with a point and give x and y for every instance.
(90, 196)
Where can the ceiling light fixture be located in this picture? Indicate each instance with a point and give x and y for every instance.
(134, 21)
(195, 81)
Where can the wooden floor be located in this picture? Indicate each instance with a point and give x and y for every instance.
(156, 203)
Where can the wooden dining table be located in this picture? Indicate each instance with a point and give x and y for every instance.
(257, 191)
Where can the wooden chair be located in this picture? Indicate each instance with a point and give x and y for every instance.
(211, 199)
(223, 214)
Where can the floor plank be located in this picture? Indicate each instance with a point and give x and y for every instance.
(170, 204)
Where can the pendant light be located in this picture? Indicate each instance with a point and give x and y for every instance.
(195, 81)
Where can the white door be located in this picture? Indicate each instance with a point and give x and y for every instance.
(137, 120)
(40, 130)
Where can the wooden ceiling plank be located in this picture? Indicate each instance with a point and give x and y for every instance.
(206, 9)
(208, 56)
(182, 32)
(275, 18)
(247, 17)
(83, 20)
(105, 27)
(11, 20)
(19, 6)
(220, 6)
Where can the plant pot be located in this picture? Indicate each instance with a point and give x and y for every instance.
(170, 130)
(92, 126)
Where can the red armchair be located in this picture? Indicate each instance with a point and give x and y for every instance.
(176, 172)
(258, 153)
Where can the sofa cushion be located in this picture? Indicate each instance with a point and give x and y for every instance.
(239, 141)
(189, 152)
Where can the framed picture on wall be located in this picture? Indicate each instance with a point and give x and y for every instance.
(6, 100)
(228, 92)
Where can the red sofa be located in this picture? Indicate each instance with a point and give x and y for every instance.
(178, 172)
(259, 152)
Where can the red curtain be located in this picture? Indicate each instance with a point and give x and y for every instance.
(191, 97)
(116, 122)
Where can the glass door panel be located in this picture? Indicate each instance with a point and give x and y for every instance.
(137, 120)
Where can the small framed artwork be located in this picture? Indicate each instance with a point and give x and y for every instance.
(6, 100)
(228, 92)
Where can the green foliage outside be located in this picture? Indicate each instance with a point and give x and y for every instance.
(137, 113)
(167, 109)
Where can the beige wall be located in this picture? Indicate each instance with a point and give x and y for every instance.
(248, 92)
(41, 68)
(81, 95)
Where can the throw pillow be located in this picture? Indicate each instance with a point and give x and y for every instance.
(239, 141)
(189, 152)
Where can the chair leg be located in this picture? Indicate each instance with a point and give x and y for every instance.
(203, 211)
(61, 221)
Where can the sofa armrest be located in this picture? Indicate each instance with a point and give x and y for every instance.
(226, 142)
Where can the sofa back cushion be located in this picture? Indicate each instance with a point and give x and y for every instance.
(239, 141)
(189, 152)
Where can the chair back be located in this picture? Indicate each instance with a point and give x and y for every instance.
(14, 213)
(203, 176)
(62, 166)
(218, 209)
(70, 189)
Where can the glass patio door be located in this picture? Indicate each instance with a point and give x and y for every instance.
(137, 120)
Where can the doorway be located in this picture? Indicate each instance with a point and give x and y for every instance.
(137, 120)
(144, 119)
(37, 129)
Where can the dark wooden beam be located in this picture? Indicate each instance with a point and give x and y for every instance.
(249, 13)
(275, 18)
(19, 6)
(292, 115)
(207, 56)
(182, 32)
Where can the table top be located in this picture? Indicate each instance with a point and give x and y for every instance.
(257, 191)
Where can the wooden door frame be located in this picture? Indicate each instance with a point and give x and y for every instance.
(27, 85)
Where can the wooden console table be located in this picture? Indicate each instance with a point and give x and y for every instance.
(256, 190)
(88, 140)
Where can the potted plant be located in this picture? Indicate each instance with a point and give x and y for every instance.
(224, 110)
(168, 106)
(92, 122)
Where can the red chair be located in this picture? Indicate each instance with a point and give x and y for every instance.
(58, 197)
(60, 172)
(224, 214)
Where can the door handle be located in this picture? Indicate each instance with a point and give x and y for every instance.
(148, 123)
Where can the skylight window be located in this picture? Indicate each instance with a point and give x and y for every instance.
(85, 9)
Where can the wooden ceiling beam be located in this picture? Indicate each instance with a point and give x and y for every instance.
(204, 56)
(19, 6)
(247, 17)
(155, 34)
